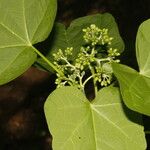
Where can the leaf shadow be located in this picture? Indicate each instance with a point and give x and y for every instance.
(132, 115)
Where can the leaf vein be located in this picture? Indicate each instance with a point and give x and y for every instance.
(12, 32)
(111, 122)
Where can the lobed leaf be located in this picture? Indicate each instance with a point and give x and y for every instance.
(23, 23)
(73, 35)
(104, 124)
(135, 86)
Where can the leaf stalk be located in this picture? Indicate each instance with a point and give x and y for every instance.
(47, 61)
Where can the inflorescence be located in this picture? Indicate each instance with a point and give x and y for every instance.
(96, 56)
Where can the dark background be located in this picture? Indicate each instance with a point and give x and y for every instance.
(22, 120)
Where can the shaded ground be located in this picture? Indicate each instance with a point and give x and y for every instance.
(22, 120)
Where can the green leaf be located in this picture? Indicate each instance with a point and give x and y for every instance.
(104, 124)
(73, 35)
(135, 86)
(143, 48)
(22, 24)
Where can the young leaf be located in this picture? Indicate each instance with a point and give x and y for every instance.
(73, 35)
(104, 124)
(22, 24)
(135, 87)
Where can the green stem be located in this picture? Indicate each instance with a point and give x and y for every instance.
(81, 85)
(147, 132)
(70, 82)
(94, 81)
(47, 61)
(102, 60)
(87, 80)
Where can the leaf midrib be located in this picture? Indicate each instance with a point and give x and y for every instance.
(25, 23)
(93, 125)
(111, 122)
(27, 40)
(41, 20)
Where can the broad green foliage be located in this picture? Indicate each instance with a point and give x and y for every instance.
(135, 86)
(103, 124)
(73, 35)
(22, 24)
(75, 123)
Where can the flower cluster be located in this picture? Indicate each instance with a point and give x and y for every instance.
(96, 36)
(96, 56)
